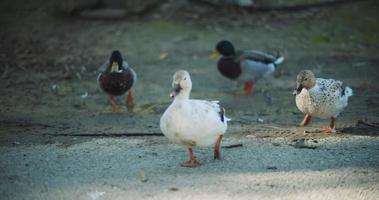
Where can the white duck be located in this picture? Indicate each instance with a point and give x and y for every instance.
(323, 98)
(189, 122)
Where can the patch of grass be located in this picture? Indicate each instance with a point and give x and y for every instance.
(352, 25)
(320, 39)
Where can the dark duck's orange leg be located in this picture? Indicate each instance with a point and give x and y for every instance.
(113, 102)
(217, 148)
(248, 88)
(130, 101)
(306, 120)
(332, 126)
(193, 162)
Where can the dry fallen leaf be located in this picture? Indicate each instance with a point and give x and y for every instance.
(143, 177)
(163, 56)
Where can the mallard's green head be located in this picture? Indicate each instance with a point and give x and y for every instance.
(115, 61)
(225, 48)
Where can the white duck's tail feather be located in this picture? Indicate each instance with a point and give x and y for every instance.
(348, 91)
(279, 60)
(222, 112)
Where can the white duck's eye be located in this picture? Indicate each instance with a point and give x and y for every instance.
(185, 78)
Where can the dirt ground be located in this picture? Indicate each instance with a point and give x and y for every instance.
(59, 140)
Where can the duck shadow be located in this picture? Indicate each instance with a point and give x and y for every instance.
(362, 128)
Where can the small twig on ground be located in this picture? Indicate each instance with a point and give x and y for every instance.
(232, 146)
(22, 67)
(304, 147)
(273, 127)
(241, 122)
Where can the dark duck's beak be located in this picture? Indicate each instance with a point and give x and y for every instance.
(115, 61)
(215, 55)
(114, 67)
(298, 89)
(176, 90)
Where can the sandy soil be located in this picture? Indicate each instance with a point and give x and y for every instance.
(56, 144)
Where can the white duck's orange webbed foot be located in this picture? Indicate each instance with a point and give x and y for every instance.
(191, 163)
(217, 148)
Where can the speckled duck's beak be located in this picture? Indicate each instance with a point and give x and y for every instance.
(298, 89)
(176, 91)
(114, 67)
(215, 55)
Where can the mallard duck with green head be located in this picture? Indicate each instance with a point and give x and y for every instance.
(117, 79)
(245, 66)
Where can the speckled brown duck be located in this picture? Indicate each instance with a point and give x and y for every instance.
(117, 79)
(318, 97)
(245, 66)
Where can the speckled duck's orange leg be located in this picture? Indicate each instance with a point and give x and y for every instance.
(113, 102)
(248, 88)
(217, 148)
(130, 101)
(332, 127)
(193, 162)
(306, 120)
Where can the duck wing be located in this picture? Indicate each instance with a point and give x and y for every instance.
(210, 107)
(252, 70)
(126, 66)
(336, 87)
(259, 56)
(257, 64)
(329, 86)
(329, 97)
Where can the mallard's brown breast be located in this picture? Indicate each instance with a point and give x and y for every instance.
(229, 67)
(116, 84)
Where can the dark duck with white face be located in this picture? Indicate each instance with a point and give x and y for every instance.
(244, 66)
(117, 79)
